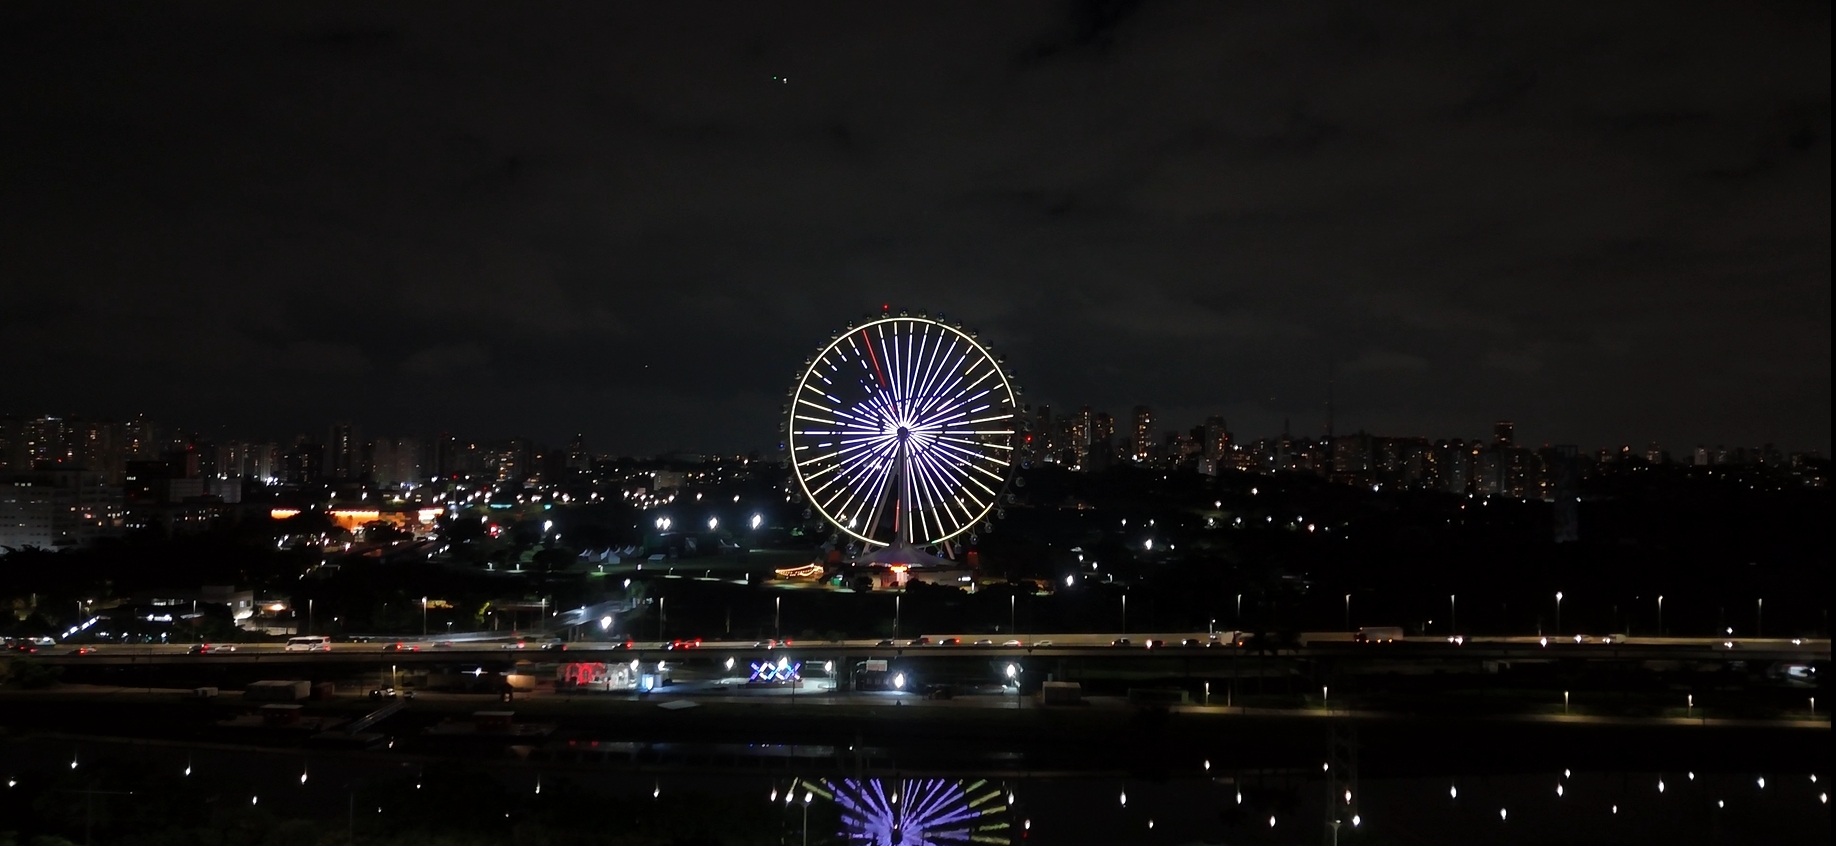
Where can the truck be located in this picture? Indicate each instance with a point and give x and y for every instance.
(277, 691)
(1378, 634)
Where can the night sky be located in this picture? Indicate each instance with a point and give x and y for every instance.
(1611, 225)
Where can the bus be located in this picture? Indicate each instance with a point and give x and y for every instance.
(315, 643)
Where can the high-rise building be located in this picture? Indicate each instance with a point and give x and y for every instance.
(140, 439)
(398, 461)
(1217, 438)
(578, 457)
(1504, 433)
(1565, 494)
(304, 463)
(83, 506)
(343, 452)
(1141, 438)
(13, 456)
(263, 462)
(26, 511)
(1082, 431)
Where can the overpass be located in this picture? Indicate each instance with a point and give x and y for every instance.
(1151, 650)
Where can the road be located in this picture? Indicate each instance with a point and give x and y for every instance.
(1163, 645)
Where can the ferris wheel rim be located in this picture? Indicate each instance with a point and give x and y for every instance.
(1008, 393)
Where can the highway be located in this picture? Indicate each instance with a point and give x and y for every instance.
(1138, 646)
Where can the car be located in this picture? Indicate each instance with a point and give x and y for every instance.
(515, 644)
(1013, 643)
(984, 642)
(23, 647)
(84, 650)
(1457, 640)
(921, 641)
(950, 641)
(557, 644)
(1192, 641)
(1155, 644)
(399, 646)
(886, 642)
(1121, 641)
(210, 648)
(693, 643)
(384, 693)
(625, 644)
(1042, 643)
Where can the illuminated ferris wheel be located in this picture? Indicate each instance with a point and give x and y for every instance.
(904, 431)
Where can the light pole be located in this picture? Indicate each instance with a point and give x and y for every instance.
(1453, 611)
(309, 616)
(1660, 615)
(1558, 612)
(1013, 625)
(1125, 613)
(897, 602)
(806, 817)
(423, 616)
(777, 617)
(1759, 618)
(1348, 612)
(1239, 611)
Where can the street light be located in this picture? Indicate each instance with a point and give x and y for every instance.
(423, 616)
(807, 798)
(1558, 612)
(1348, 612)
(1453, 613)
(1660, 615)
(1125, 613)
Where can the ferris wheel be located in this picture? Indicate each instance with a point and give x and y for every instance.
(903, 430)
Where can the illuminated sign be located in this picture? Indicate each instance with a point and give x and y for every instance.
(783, 671)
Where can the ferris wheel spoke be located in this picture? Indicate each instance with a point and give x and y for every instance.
(953, 476)
(928, 496)
(937, 369)
(942, 395)
(926, 371)
(898, 365)
(964, 394)
(851, 473)
(968, 457)
(940, 501)
(865, 456)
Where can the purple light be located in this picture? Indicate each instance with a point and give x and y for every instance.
(925, 811)
(906, 388)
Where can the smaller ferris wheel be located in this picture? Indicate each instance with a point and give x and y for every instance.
(904, 431)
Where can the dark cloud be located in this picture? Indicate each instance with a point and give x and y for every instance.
(1609, 223)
